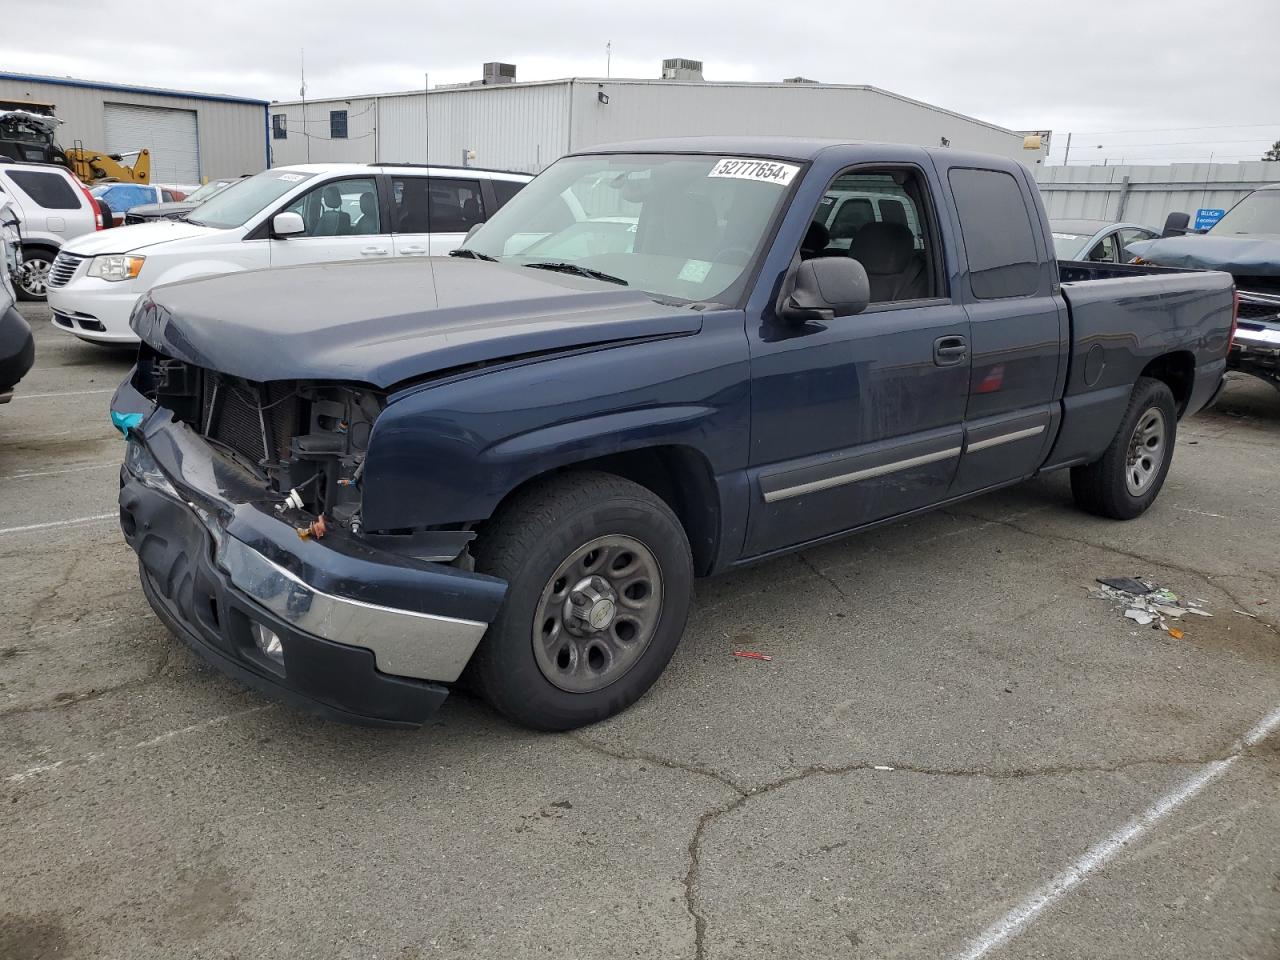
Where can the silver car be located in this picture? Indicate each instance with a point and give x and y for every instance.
(1097, 241)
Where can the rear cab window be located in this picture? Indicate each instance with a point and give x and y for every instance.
(49, 190)
(997, 233)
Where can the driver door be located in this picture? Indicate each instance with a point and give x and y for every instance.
(343, 220)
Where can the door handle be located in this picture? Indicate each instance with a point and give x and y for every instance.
(948, 351)
(415, 249)
(373, 251)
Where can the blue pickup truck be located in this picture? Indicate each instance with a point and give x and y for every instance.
(355, 485)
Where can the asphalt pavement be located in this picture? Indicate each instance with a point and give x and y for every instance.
(955, 751)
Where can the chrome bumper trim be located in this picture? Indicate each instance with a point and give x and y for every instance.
(405, 643)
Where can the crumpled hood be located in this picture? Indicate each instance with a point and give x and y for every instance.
(1256, 256)
(136, 237)
(170, 209)
(388, 322)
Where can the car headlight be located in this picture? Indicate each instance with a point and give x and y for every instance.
(116, 266)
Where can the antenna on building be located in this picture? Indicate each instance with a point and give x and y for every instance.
(302, 92)
(608, 59)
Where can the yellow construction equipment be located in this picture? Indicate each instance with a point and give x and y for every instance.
(93, 167)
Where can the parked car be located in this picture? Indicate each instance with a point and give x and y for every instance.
(1246, 243)
(17, 347)
(123, 197)
(845, 212)
(347, 484)
(177, 209)
(1097, 241)
(286, 216)
(53, 207)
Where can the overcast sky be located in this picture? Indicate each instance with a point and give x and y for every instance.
(1191, 77)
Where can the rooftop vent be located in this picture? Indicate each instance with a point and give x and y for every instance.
(499, 73)
(799, 80)
(678, 68)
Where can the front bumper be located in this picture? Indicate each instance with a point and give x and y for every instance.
(1255, 349)
(95, 310)
(17, 349)
(366, 636)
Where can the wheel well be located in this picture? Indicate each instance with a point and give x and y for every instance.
(1178, 372)
(679, 475)
(38, 245)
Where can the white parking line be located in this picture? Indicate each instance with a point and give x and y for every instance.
(64, 393)
(59, 523)
(43, 768)
(1016, 920)
(55, 473)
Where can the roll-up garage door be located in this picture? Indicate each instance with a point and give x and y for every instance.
(169, 134)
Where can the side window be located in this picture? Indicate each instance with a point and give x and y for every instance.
(1131, 236)
(168, 196)
(279, 127)
(1104, 251)
(504, 190)
(337, 124)
(997, 234)
(49, 190)
(339, 208)
(881, 219)
(436, 205)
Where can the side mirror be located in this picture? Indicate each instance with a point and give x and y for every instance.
(1175, 225)
(825, 288)
(287, 224)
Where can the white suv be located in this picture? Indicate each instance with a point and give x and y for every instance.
(53, 207)
(309, 213)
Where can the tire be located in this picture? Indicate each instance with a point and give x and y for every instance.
(573, 643)
(1126, 480)
(33, 274)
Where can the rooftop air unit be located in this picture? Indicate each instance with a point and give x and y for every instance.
(678, 68)
(499, 73)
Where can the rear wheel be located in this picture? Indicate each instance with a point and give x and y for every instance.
(33, 273)
(1126, 480)
(599, 581)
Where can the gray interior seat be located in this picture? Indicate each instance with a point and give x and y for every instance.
(887, 252)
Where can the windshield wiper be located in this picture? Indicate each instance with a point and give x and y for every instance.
(196, 223)
(473, 254)
(578, 269)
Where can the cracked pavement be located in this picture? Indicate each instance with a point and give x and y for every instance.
(949, 720)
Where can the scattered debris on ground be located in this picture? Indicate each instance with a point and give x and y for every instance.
(1146, 603)
(751, 655)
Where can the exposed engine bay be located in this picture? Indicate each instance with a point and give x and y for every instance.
(304, 442)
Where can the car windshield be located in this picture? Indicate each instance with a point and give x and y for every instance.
(1259, 212)
(1070, 246)
(234, 206)
(208, 190)
(675, 226)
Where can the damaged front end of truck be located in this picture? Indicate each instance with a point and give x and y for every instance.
(243, 501)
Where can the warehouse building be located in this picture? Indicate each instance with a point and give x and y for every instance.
(191, 136)
(498, 122)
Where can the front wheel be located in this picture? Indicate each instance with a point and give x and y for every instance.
(599, 580)
(33, 274)
(1126, 480)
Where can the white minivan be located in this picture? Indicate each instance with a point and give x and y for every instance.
(310, 213)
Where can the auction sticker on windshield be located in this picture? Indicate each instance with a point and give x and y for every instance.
(766, 171)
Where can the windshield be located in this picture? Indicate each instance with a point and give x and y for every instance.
(208, 190)
(235, 205)
(682, 227)
(1070, 246)
(1259, 212)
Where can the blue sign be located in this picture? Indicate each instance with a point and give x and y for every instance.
(1206, 218)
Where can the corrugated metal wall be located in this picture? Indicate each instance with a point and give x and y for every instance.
(526, 126)
(519, 127)
(643, 109)
(1148, 194)
(232, 135)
